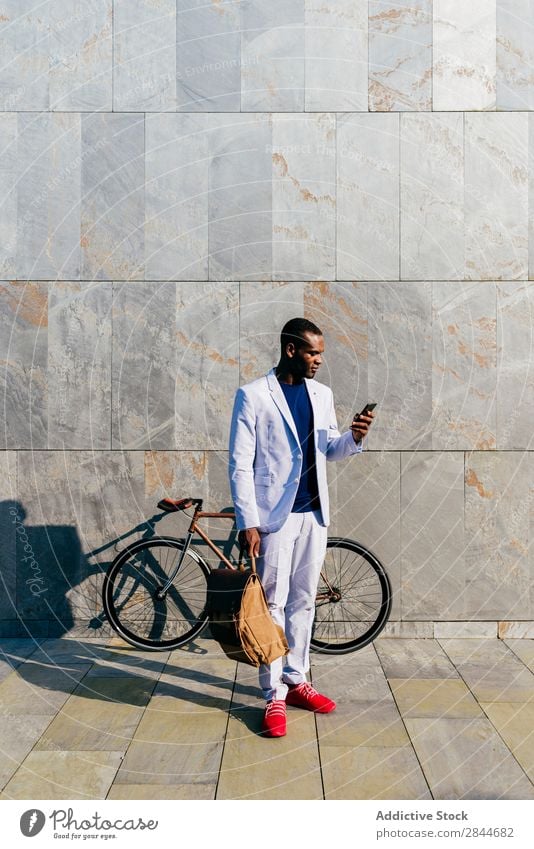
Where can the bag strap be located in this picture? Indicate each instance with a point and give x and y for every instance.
(241, 564)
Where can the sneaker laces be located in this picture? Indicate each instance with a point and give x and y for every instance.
(276, 707)
(307, 689)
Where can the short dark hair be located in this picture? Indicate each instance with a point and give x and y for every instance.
(293, 331)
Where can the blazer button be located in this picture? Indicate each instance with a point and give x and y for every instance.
(296, 480)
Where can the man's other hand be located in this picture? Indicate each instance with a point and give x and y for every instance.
(249, 540)
(360, 426)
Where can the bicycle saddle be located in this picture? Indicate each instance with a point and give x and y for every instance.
(172, 504)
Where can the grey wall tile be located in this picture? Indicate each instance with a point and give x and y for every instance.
(176, 197)
(272, 55)
(240, 216)
(336, 55)
(515, 369)
(497, 535)
(54, 582)
(432, 196)
(79, 365)
(80, 60)
(400, 364)
(304, 197)
(8, 194)
(264, 308)
(144, 365)
(144, 72)
(10, 519)
(24, 47)
(367, 197)
(496, 196)
(464, 59)
(207, 364)
(113, 196)
(464, 373)
(400, 55)
(515, 54)
(433, 576)
(208, 56)
(340, 310)
(530, 163)
(48, 182)
(23, 353)
(367, 490)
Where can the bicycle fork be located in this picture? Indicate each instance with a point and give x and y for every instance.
(162, 591)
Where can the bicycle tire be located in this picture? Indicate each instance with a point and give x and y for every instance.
(363, 608)
(130, 604)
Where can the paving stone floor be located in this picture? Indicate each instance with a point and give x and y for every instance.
(416, 719)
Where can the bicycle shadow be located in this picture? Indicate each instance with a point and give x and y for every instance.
(50, 584)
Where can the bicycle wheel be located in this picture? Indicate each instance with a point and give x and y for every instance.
(353, 598)
(130, 594)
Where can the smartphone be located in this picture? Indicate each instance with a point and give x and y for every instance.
(367, 409)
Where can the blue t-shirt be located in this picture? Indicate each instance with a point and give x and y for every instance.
(299, 403)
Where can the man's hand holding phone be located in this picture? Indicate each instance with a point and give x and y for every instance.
(362, 422)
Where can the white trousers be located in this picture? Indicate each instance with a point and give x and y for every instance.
(289, 566)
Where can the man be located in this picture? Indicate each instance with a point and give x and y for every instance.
(283, 430)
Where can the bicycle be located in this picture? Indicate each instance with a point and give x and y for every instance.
(154, 593)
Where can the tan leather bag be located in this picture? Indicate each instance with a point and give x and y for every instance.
(240, 619)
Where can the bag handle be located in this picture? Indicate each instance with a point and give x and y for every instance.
(241, 565)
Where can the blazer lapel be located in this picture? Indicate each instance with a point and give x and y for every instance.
(280, 400)
(314, 398)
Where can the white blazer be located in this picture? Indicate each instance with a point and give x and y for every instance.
(265, 455)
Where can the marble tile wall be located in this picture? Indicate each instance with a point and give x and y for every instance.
(177, 179)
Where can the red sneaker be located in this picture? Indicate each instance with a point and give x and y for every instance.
(305, 696)
(274, 719)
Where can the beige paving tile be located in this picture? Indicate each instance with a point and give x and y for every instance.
(414, 658)
(515, 723)
(373, 723)
(18, 735)
(92, 724)
(193, 763)
(196, 684)
(174, 748)
(350, 678)
(162, 791)
(68, 650)
(134, 690)
(524, 650)
(372, 772)
(491, 670)
(129, 661)
(39, 690)
(466, 759)
(64, 775)
(257, 767)
(434, 697)
(13, 652)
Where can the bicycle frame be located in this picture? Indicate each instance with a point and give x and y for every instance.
(194, 527)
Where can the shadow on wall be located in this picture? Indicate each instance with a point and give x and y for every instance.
(49, 586)
(48, 582)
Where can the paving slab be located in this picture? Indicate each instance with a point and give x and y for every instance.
(18, 736)
(434, 697)
(37, 689)
(467, 759)
(63, 775)
(372, 772)
(162, 791)
(524, 650)
(515, 723)
(373, 723)
(491, 670)
(256, 767)
(415, 658)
